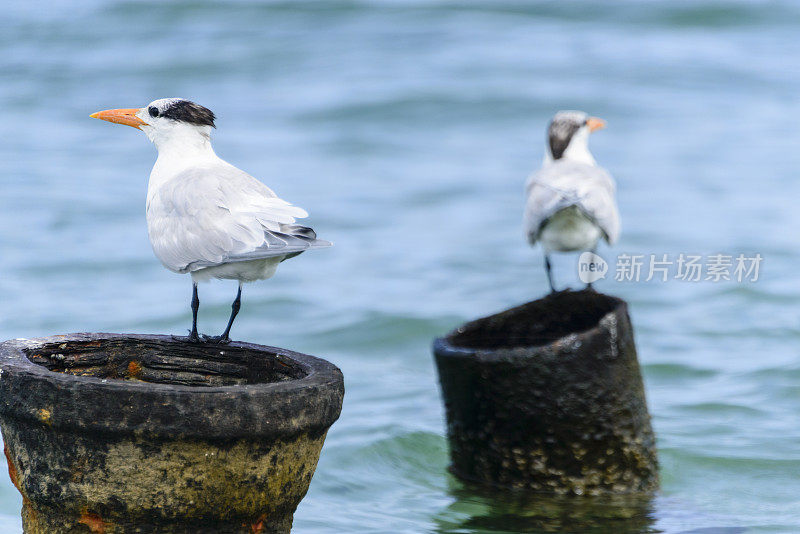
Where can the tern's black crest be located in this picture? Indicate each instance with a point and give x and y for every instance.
(561, 130)
(188, 111)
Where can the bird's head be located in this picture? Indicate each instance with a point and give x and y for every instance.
(568, 135)
(165, 120)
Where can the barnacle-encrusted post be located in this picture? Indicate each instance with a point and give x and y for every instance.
(548, 396)
(118, 434)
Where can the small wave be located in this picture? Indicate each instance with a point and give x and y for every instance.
(676, 371)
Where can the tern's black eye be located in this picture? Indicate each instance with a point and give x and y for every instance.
(153, 111)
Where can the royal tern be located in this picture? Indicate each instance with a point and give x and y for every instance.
(570, 202)
(205, 217)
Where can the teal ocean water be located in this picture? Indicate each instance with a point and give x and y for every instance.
(406, 129)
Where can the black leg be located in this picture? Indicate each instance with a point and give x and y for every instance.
(589, 285)
(548, 268)
(225, 337)
(193, 337)
(234, 312)
(195, 306)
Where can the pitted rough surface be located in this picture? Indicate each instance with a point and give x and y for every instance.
(87, 455)
(548, 396)
(133, 485)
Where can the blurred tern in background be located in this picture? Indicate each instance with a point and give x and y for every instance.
(205, 217)
(570, 202)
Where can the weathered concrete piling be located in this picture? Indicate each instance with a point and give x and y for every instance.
(112, 434)
(548, 397)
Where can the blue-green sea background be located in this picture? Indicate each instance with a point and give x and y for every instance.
(406, 129)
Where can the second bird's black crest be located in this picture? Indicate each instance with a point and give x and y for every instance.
(560, 134)
(188, 111)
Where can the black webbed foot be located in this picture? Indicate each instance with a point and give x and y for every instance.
(215, 340)
(191, 338)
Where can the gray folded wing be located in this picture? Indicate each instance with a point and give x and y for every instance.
(218, 214)
(275, 244)
(562, 184)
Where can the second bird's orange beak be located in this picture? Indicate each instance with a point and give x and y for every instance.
(595, 124)
(120, 116)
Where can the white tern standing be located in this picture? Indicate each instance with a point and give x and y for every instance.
(570, 202)
(205, 217)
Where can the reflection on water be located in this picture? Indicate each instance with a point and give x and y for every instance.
(478, 509)
(482, 510)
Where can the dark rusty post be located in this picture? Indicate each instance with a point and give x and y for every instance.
(114, 434)
(548, 396)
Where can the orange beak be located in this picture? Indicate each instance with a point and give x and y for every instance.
(595, 124)
(120, 116)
